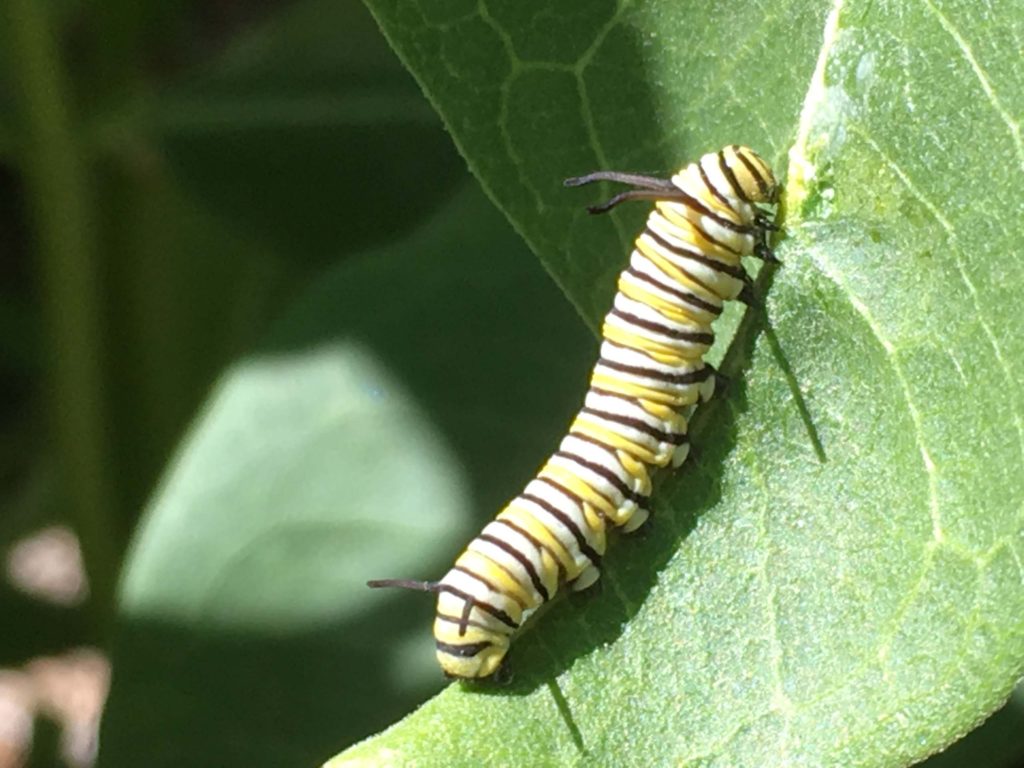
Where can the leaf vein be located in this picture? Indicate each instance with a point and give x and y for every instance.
(961, 270)
(983, 79)
(502, 120)
(779, 701)
(915, 415)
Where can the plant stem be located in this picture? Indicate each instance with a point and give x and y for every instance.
(60, 207)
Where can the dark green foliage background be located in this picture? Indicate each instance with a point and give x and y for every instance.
(257, 225)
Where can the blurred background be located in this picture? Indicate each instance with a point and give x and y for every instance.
(241, 263)
(172, 176)
(194, 198)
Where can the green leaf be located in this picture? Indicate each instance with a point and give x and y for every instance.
(368, 438)
(836, 579)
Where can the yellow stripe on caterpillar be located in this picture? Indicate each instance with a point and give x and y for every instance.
(638, 471)
(688, 232)
(566, 478)
(634, 389)
(663, 353)
(584, 424)
(522, 518)
(663, 412)
(495, 574)
(678, 313)
(687, 281)
(596, 522)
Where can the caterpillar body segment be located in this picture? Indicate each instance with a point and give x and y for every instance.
(684, 266)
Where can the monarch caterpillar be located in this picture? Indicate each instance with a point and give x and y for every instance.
(684, 266)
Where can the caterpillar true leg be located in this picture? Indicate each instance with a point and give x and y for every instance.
(763, 252)
(748, 296)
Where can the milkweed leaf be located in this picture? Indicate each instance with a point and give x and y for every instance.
(836, 580)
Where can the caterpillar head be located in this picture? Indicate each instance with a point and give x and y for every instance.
(754, 179)
(466, 648)
(485, 661)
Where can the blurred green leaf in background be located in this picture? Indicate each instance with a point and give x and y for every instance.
(262, 338)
